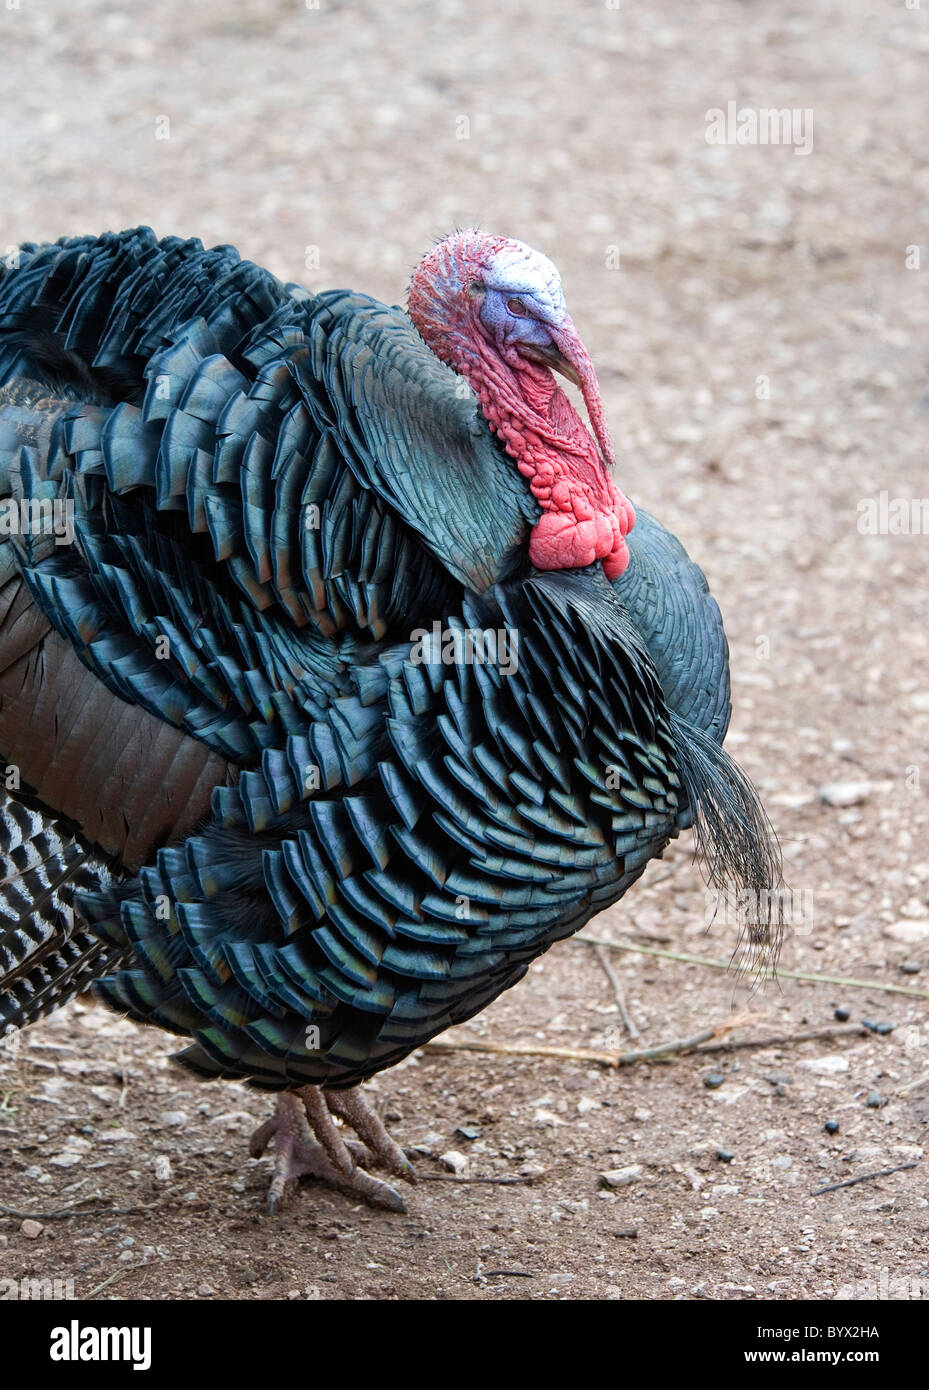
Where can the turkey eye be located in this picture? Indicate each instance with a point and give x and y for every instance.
(517, 308)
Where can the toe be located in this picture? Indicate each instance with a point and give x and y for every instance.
(325, 1129)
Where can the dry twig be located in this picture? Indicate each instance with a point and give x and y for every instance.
(865, 1177)
(707, 1041)
(68, 1213)
(618, 995)
(780, 974)
(587, 1054)
(509, 1181)
(831, 1030)
(914, 1085)
(120, 1274)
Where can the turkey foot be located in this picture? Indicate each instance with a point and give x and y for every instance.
(309, 1143)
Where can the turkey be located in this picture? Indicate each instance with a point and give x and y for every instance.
(338, 679)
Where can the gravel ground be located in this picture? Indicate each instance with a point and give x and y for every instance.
(759, 323)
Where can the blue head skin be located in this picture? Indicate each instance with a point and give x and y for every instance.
(523, 303)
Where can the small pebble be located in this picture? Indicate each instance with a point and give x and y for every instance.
(429, 1144)
(844, 793)
(532, 1170)
(843, 1015)
(875, 1100)
(831, 1126)
(830, 1065)
(873, 1027)
(713, 1080)
(910, 967)
(626, 1232)
(205, 1291)
(468, 1131)
(66, 1159)
(908, 932)
(724, 1155)
(454, 1161)
(621, 1177)
(31, 1229)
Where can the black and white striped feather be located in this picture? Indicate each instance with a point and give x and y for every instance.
(47, 953)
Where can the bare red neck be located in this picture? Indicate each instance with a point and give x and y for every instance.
(584, 515)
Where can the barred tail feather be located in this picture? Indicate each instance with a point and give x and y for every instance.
(47, 952)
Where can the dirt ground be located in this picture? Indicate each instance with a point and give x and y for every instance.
(762, 348)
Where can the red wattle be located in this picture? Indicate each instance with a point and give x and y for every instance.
(584, 515)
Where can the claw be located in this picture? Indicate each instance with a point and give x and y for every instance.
(324, 1127)
(350, 1106)
(308, 1143)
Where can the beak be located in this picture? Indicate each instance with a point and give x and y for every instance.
(552, 357)
(567, 355)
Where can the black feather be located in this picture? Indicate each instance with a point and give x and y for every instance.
(67, 372)
(735, 842)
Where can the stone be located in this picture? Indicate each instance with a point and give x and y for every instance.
(911, 932)
(844, 793)
(621, 1177)
(830, 1065)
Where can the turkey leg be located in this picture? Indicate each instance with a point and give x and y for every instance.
(309, 1143)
